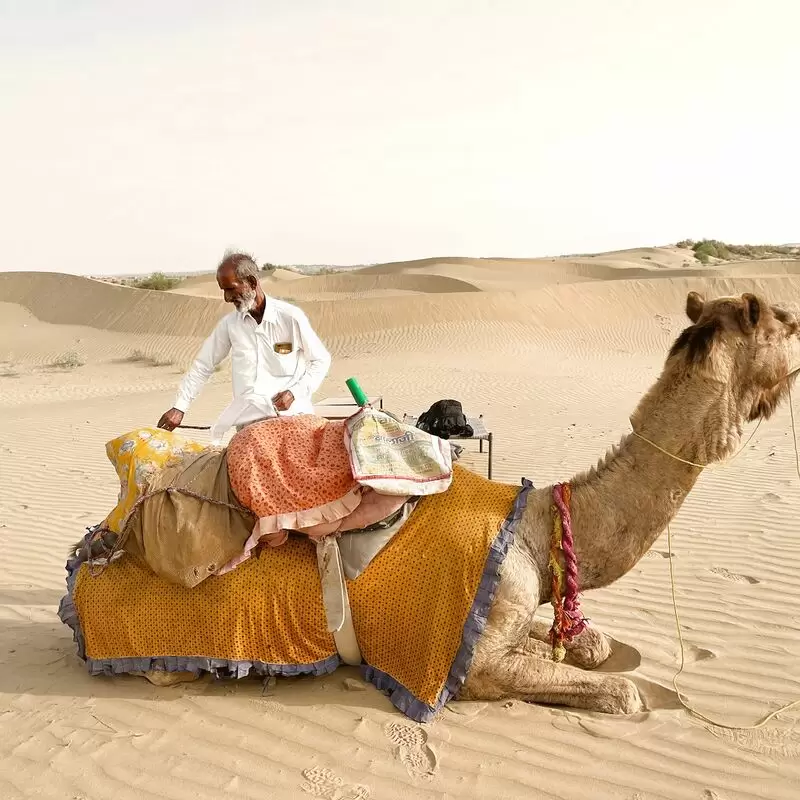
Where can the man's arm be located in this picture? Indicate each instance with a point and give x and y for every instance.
(318, 359)
(208, 358)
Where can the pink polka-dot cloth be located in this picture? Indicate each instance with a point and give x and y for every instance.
(293, 472)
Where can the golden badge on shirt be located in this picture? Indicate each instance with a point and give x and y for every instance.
(282, 348)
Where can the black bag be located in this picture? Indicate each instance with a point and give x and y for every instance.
(445, 418)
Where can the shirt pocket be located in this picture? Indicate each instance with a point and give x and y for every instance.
(284, 356)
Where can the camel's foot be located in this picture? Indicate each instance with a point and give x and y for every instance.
(617, 696)
(160, 677)
(588, 650)
(529, 677)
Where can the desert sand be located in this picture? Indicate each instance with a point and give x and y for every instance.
(555, 352)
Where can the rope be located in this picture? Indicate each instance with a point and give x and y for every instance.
(96, 567)
(685, 703)
(568, 622)
(557, 586)
(667, 453)
(719, 464)
(794, 433)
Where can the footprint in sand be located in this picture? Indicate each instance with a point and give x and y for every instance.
(782, 742)
(733, 577)
(708, 794)
(654, 695)
(323, 782)
(466, 708)
(699, 653)
(413, 749)
(623, 658)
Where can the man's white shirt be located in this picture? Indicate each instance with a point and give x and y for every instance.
(281, 353)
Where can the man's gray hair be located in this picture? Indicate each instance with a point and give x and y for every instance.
(244, 265)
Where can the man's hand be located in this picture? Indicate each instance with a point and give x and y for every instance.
(283, 400)
(171, 419)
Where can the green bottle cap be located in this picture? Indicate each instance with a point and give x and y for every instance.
(357, 392)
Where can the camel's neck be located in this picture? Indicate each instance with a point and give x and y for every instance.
(620, 508)
(619, 511)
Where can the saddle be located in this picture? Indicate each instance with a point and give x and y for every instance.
(280, 476)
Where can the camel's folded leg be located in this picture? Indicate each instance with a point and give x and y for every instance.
(160, 677)
(589, 649)
(527, 677)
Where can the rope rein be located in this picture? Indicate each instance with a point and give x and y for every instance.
(716, 465)
(685, 703)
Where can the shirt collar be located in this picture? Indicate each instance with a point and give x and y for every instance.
(270, 312)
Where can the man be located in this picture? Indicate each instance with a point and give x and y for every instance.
(277, 359)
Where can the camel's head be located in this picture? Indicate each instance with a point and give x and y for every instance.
(744, 342)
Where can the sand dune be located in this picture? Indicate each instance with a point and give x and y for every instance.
(71, 300)
(434, 275)
(343, 286)
(555, 353)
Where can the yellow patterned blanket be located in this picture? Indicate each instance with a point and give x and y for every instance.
(137, 457)
(418, 608)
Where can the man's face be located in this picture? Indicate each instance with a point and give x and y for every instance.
(240, 293)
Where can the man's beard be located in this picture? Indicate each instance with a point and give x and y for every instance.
(246, 302)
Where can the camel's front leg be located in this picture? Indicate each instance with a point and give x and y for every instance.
(521, 676)
(588, 650)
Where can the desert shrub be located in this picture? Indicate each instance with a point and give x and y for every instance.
(711, 248)
(706, 249)
(140, 357)
(157, 281)
(762, 250)
(69, 360)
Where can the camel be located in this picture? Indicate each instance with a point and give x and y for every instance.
(732, 365)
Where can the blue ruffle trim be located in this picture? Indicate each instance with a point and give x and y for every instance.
(398, 694)
(219, 667)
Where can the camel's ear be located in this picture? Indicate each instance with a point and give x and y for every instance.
(787, 318)
(694, 306)
(750, 313)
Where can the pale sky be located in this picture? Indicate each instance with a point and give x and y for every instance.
(152, 135)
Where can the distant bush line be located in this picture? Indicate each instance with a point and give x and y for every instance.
(706, 249)
(157, 281)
